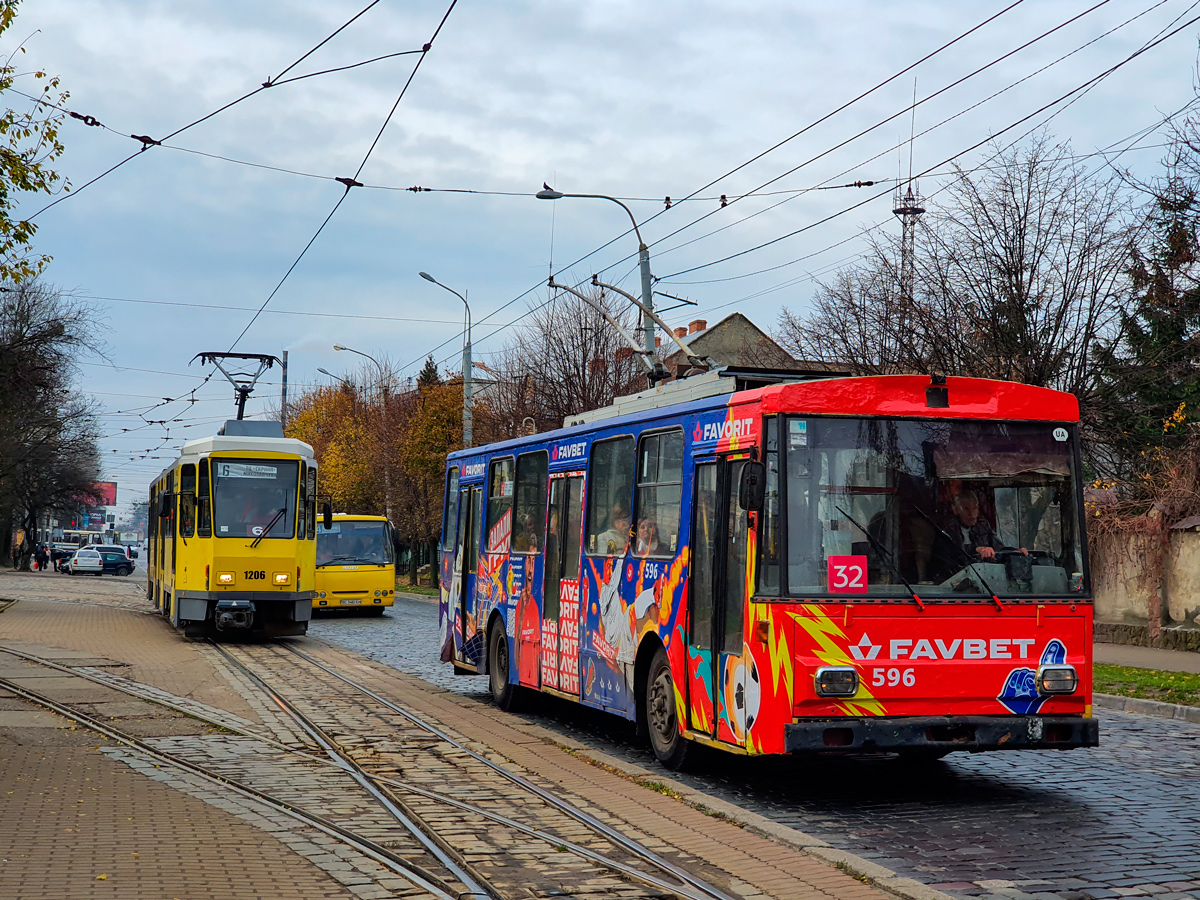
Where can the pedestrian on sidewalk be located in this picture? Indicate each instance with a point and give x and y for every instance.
(41, 557)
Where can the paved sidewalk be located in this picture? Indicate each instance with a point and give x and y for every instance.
(1147, 658)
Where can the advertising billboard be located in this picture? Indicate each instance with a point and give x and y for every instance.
(107, 490)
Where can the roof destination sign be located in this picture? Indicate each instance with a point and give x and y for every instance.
(245, 470)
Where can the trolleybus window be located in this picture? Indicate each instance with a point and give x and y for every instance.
(249, 493)
(450, 513)
(609, 490)
(957, 507)
(499, 507)
(349, 542)
(531, 502)
(768, 570)
(660, 476)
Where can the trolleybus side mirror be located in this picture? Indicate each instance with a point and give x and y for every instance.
(752, 490)
(326, 515)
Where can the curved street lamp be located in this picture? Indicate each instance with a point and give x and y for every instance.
(548, 193)
(467, 382)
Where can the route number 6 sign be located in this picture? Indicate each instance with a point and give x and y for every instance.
(847, 574)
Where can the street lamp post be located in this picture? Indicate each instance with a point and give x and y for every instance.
(467, 382)
(548, 193)
(383, 398)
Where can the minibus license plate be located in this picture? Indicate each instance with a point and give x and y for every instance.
(352, 602)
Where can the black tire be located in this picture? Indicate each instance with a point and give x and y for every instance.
(662, 723)
(124, 570)
(504, 692)
(374, 610)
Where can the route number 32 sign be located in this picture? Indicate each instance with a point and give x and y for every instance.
(847, 574)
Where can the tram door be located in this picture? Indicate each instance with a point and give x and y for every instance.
(560, 585)
(466, 555)
(717, 602)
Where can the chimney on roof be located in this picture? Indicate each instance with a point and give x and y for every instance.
(696, 325)
(681, 331)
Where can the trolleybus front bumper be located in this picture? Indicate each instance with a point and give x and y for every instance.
(941, 733)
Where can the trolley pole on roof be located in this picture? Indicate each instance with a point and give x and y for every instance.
(548, 193)
(468, 385)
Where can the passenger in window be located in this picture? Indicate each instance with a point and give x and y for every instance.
(527, 539)
(614, 541)
(647, 538)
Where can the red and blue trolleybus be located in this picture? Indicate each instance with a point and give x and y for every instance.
(874, 564)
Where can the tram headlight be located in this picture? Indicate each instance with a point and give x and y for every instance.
(224, 578)
(836, 681)
(282, 577)
(1057, 680)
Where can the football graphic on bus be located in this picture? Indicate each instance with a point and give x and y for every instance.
(741, 692)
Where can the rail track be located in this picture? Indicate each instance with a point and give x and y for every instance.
(666, 877)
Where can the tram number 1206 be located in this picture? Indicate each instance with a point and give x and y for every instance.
(252, 575)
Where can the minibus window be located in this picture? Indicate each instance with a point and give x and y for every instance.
(532, 476)
(499, 507)
(609, 490)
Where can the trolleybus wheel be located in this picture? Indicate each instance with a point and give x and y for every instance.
(504, 692)
(668, 744)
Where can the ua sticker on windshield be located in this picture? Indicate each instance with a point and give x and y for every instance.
(847, 574)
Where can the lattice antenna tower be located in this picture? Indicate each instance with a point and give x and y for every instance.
(907, 205)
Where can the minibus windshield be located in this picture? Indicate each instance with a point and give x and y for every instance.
(345, 542)
(249, 493)
(954, 508)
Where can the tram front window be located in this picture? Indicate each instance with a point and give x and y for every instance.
(248, 495)
(955, 508)
(366, 543)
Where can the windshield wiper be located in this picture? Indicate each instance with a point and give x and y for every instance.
(341, 559)
(888, 556)
(963, 553)
(270, 525)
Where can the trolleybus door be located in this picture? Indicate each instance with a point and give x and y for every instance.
(717, 602)
(560, 591)
(466, 555)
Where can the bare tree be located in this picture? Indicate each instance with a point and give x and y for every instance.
(1020, 271)
(567, 360)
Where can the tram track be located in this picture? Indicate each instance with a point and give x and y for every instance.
(678, 882)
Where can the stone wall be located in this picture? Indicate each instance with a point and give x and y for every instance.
(1136, 604)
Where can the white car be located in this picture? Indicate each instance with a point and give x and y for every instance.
(86, 561)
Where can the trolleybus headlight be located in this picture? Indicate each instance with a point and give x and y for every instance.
(1057, 680)
(282, 578)
(836, 681)
(224, 578)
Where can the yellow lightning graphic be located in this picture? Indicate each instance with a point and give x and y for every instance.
(826, 635)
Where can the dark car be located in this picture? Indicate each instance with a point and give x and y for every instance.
(115, 562)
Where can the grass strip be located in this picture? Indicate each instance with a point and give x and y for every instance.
(1147, 684)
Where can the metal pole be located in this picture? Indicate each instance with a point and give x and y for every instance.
(647, 297)
(283, 393)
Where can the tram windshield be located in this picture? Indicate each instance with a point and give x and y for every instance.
(353, 542)
(248, 495)
(956, 508)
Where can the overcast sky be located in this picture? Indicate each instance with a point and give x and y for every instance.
(639, 100)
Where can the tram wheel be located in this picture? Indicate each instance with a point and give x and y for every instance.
(668, 744)
(504, 692)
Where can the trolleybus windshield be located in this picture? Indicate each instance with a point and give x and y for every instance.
(954, 508)
(353, 542)
(249, 493)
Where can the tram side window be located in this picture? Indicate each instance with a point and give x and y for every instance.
(530, 518)
(450, 510)
(152, 519)
(312, 503)
(610, 487)
(302, 503)
(499, 507)
(187, 500)
(203, 503)
(660, 478)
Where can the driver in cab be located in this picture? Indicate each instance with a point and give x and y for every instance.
(972, 532)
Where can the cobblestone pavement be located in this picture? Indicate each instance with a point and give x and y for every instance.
(1122, 820)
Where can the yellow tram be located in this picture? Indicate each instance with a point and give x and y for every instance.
(232, 533)
(356, 564)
